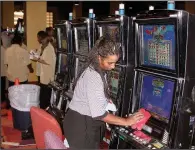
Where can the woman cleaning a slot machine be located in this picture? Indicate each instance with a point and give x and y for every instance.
(87, 110)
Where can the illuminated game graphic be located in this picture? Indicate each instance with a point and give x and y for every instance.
(81, 36)
(157, 96)
(159, 46)
(64, 44)
(114, 82)
(110, 31)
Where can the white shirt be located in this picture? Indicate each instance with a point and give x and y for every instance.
(47, 72)
(38, 65)
(89, 98)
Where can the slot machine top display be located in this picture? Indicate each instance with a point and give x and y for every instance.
(161, 41)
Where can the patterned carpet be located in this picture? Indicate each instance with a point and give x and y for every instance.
(9, 134)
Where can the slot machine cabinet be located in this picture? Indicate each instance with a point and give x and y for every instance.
(119, 29)
(82, 41)
(64, 52)
(61, 83)
(163, 80)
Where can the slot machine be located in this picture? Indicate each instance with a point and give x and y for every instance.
(163, 82)
(82, 41)
(119, 29)
(63, 35)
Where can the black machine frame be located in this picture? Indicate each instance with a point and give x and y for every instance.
(64, 28)
(184, 74)
(180, 127)
(67, 32)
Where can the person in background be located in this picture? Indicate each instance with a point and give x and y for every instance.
(50, 33)
(87, 110)
(47, 62)
(40, 36)
(18, 62)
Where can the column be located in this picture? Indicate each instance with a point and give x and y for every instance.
(7, 14)
(190, 6)
(35, 20)
(77, 10)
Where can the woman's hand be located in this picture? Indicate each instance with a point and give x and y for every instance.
(135, 118)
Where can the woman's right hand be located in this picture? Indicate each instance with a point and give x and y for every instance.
(135, 118)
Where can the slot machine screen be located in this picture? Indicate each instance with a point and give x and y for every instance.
(114, 83)
(81, 40)
(62, 62)
(158, 43)
(110, 31)
(61, 37)
(157, 96)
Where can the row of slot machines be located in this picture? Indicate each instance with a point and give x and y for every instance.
(155, 72)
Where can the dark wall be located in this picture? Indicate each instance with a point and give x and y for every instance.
(63, 7)
(139, 6)
(100, 8)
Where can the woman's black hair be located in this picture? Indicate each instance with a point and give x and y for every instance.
(17, 40)
(41, 33)
(103, 47)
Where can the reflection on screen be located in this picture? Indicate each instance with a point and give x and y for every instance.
(157, 96)
(81, 39)
(61, 38)
(114, 82)
(62, 63)
(110, 31)
(158, 46)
